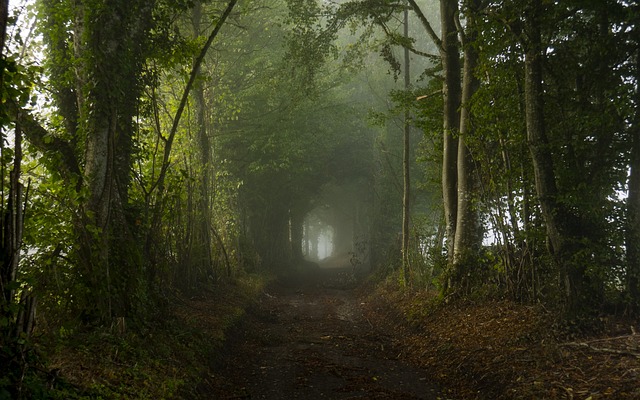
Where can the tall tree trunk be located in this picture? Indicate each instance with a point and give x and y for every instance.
(4, 17)
(9, 237)
(466, 237)
(94, 228)
(536, 134)
(633, 206)
(109, 42)
(406, 193)
(11, 233)
(449, 48)
(203, 234)
(450, 52)
(554, 215)
(102, 34)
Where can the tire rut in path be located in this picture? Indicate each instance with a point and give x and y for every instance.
(309, 339)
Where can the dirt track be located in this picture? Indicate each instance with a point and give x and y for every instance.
(309, 338)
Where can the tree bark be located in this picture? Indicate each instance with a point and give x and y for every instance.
(104, 37)
(11, 229)
(450, 52)
(536, 134)
(203, 236)
(466, 237)
(554, 215)
(406, 193)
(633, 207)
(4, 16)
(105, 52)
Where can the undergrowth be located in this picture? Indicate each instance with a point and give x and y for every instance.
(164, 358)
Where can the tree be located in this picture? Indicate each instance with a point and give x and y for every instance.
(406, 193)
(195, 254)
(466, 240)
(459, 87)
(456, 163)
(97, 79)
(451, 91)
(567, 132)
(98, 106)
(17, 298)
(633, 201)
(536, 135)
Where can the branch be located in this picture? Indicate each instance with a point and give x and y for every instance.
(422, 53)
(425, 23)
(426, 96)
(185, 95)
(463, 36)
(404, 44)
(44, 141)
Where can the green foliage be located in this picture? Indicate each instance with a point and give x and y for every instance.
(17, 84)
(165, 359)
(276, 118)
(310, 40)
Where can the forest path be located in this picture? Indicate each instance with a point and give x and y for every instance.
(308, 338)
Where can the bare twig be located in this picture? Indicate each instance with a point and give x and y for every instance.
(602, 350)
(633, 335)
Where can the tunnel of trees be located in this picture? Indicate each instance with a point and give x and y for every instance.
(156, 145)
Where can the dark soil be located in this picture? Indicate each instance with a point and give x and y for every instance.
(310, 337)
(318, 335)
